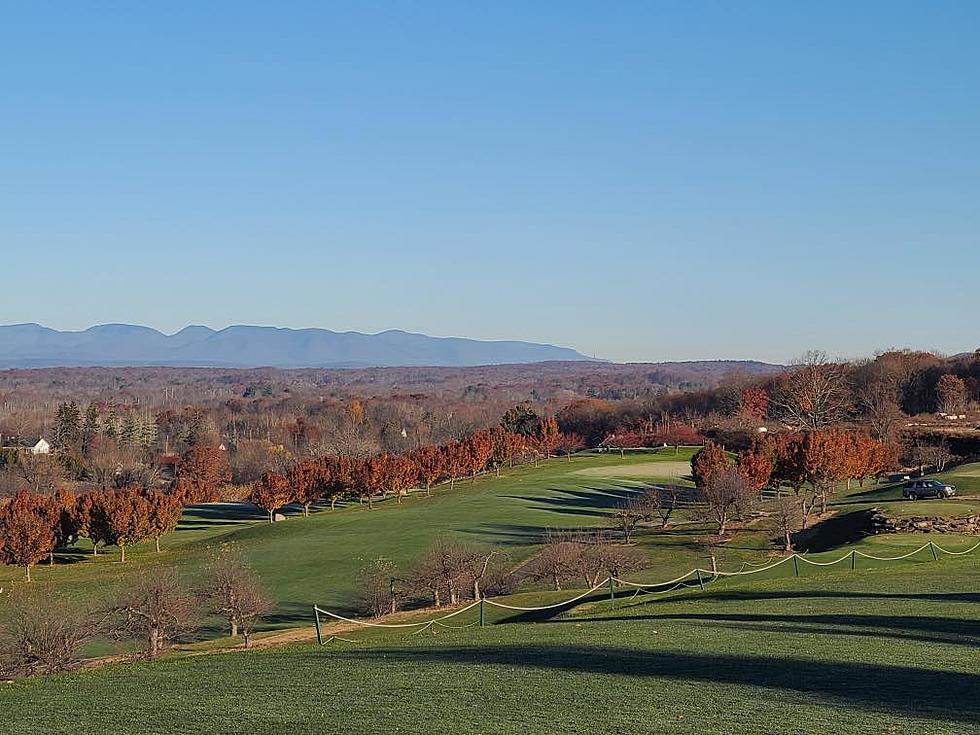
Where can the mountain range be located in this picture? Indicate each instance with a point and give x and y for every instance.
(33, 345)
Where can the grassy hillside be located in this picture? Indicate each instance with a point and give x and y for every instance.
(316, 559)
(841, 652)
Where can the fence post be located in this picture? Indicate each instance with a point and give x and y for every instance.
(700, 581)
(483, 616)
(612, 591)
(796, 564)
(932, 548)
(853, 558)
(319, 635)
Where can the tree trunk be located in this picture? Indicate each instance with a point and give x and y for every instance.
(27, 569)
(247, 638)
(476, 588)
(788, 541)
(557, 582)
(333, 503)
(306, 510)
(157, 540)
(428, 489)
(51, 558)
(234, 627)
(95, 549)
(272, 516)
(122, 554)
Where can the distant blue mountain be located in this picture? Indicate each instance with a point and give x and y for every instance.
(31, 345)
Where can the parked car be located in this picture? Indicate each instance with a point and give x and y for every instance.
(927, 489)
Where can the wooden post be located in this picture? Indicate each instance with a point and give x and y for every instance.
(612, 591)
(853, 558)
(932, 548)
(700, 581)
(796, 564)
(319, 635)
(483, 615)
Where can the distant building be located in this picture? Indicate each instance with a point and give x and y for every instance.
(42, 447)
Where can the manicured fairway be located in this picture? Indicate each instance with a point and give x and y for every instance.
(841, 652)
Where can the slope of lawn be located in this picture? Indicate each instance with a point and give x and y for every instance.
(842, 652)
(316, 559)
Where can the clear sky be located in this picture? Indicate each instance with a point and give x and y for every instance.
(640, 180)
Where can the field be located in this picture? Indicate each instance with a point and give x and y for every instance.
(887, 647)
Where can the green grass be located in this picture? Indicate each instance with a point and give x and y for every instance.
(316, 559)
(834, 652)
(887, 647)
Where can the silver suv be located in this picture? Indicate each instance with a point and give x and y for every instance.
(927, 489)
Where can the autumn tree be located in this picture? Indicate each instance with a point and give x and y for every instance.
(121, 518)
(569, 444)
(232, 591)
(756, 465)
(202, 471)
(547, 436)
(164, 514)
(26, 533)
(478, 449)
(710, 460)
(271, 493)
(430, 464)
(305, 479)
(455, 461)
(754, 403)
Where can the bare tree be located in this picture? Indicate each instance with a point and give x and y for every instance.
(376, 587)
(663, 500)
(233, 591)
(559, 560)
(156, 609)
(785, 518)
(814, 395)
(629, 515)
(725, 497)
(43, 636)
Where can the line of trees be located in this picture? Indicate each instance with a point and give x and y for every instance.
(812, 463)
(334, 478)
(451, 572)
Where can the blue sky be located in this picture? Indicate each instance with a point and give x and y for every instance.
(642, 181)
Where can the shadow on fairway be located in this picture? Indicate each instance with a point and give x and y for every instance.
(955, 631)
(940, 695)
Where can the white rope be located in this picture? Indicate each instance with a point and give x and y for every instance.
(822, 563)
(649, 588)
(395, 625)
(958, 553)
(548, 607)
(892, 558)
(751, 571)
(655, 584)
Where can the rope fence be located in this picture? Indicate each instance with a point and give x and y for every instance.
(695, 577)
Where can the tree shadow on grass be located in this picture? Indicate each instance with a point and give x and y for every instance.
(589, 501)
(210, 515)
(939, 695)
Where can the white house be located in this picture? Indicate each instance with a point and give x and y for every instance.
(42, 447)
